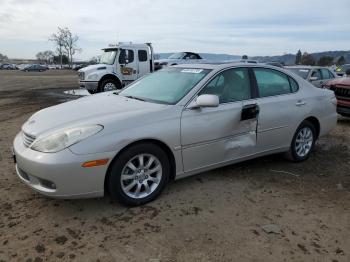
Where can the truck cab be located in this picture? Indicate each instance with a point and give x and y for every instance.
(119, 65)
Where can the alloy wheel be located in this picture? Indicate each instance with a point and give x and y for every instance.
(304, 141)
(141, 176)
(109, 87)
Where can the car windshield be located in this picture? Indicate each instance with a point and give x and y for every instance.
(303, 72)
(108, 57)
(177, 56)
(167, 86)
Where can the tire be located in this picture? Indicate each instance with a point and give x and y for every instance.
(128, 185)
(107, 85)
(303, 142)
(91, 91)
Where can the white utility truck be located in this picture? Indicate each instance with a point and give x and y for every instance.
(119, 65)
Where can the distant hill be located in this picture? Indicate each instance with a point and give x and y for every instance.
(287, 59)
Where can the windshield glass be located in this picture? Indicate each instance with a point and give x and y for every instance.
(167, 86)
(303, 72)
(177, 56)
(108, 57)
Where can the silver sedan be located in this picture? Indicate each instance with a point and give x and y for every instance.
(177, 122)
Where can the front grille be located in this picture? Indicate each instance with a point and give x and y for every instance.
(81, 75)
(27, 139)
(341, 92)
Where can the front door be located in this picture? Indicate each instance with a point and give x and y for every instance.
(128, 65)
(211, 136)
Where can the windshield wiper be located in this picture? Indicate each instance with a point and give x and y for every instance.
(136, 98)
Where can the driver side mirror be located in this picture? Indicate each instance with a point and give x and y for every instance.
(205, 101)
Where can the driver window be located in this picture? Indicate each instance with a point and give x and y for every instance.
(126, 55)
(230, 86)
(317, 74)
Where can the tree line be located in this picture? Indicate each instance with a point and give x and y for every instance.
(307, 59)
(66, 44)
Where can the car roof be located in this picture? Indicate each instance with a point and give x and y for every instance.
(222, 65)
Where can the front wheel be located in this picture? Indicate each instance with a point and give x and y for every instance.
(303, 142)
(109, 85)
(139, 174)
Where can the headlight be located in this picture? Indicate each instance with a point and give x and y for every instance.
(92, 77)
(62, 139)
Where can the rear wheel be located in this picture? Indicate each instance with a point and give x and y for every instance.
(109, 84)
(139, 174)
(303, 142)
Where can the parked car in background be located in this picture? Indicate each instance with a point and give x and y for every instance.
(179, 58)
(34, 67)
(176, 122)
(341, 70)
(53, 66)
(278, 64)
(315, 74)
(78, 67)
(21, 66)
(341, 88)
(8, 67)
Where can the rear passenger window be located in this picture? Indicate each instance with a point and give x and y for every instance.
(142, 55)
(272, 83)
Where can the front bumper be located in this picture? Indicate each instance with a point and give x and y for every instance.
(89, 85)
(343, 107)
(60, 174)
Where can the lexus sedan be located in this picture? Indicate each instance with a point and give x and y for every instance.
(176, 122)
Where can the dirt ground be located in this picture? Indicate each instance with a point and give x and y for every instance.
(215, 216)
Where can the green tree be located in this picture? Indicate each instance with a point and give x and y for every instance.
(307, 59)
(341, 60)
(325, 61)
(57, 59)
(298, 58)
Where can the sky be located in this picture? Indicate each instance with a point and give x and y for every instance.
(254, 27)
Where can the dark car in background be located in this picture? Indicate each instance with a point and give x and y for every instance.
(8, 66)
(341, 88)
(34, 67)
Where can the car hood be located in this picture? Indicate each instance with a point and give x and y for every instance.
(96, 109)
(91, 68)
(166, 60)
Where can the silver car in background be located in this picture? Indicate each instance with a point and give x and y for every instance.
(176, 122)
(316, 75)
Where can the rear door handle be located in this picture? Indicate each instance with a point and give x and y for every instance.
(300, 103)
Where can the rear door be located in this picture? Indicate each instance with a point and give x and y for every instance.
(217, 135)
(281, 108)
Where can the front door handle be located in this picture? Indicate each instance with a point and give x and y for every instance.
(250, 112)
(300, 103)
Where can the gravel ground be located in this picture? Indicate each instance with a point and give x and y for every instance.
(266, 209)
